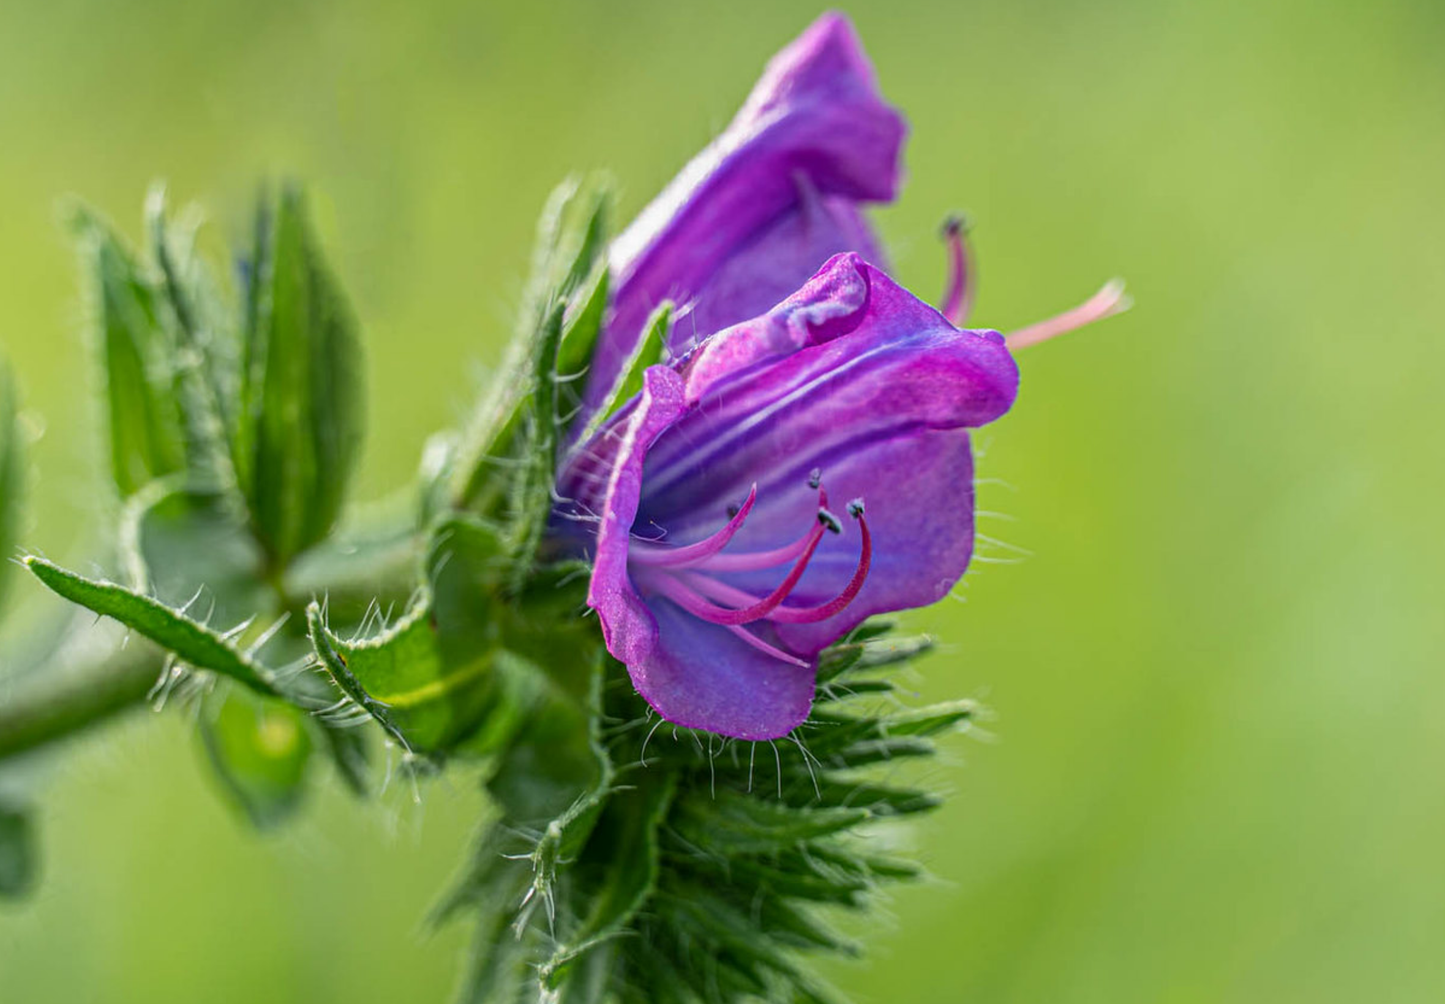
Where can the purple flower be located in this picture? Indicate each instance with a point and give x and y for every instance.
(721, 567)
(759, 211)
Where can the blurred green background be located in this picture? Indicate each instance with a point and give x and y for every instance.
(1216, 772)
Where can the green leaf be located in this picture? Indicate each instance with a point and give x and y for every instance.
(190, 641)
(137, 351)
(17, 851)
(536, 469)
(625, 840)
(585, 315)
(647, 352)
(12, 476)
(260, 749)
(300, 418)
(870, 651)
(193, 548)
(187, 547)
(571, 238)
(434, 679)
(197, 357)
(741, 823)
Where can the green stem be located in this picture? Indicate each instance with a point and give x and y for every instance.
(69, 691)
(60, 699)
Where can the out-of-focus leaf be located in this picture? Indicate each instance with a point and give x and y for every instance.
(191, 548)
(535, 467)
(260, 748)
(301, 405)
(571, 237)
(17, 851)
(137, 352)
(192, 642)
(12, 476)
(200, 359)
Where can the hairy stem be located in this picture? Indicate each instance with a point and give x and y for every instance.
(87, 679)
(69, 694)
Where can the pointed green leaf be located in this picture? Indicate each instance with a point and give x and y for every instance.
(300, 417)
(198, 358)
(190, 641)
(571, 238)
(647, 352)
(625, 839)
(434, 680)
(740, 823)
(137, 351)
(260, 749)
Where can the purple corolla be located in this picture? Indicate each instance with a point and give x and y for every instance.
(721, 569)
(765, 204)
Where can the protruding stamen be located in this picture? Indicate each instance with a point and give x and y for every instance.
(691, 554)
(1106, 302)
(752, 561)
(809, 615)
(959, 292)
(697, 605)
(830, 522)
(763, 646)
(815, 479)
(784, 614)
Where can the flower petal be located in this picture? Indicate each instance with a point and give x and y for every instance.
(772, 196)
(852, 359)
(858, 379)
(695, 674)
(704, 676)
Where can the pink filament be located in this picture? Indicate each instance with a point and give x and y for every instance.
(763, 646)
(958, 295)
(692, 554)
(694, 603)
(784, 614)
(1105, 303)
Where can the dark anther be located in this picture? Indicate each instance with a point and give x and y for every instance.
(815, 478)
(831, 522)
(855, 508)
(956, 223)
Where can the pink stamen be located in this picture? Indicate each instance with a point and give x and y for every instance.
(959, 293)
(763, 646)
(691, 554)
(695, 604)
(1106, 302)
(810, 615)
(752, 561)
(784, 614)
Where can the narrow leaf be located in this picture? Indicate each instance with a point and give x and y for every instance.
(192, 642)
(301, 397)
(136, 350)
(626, 838)
(647, 352)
